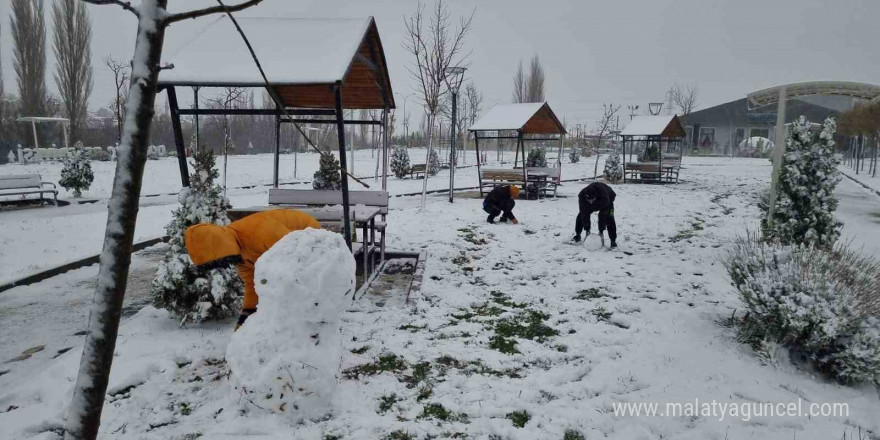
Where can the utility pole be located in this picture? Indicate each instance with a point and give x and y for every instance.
(454, 78)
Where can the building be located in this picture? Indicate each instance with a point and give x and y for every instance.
(722, 128)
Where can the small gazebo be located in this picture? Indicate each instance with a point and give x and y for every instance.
(529, 122)
(656, 140)
(317, 68)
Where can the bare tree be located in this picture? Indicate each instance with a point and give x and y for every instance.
(120, 80)
(475, 101)
(29, 51)
(602, 130)
(229, 98)
(520, 88)
(436, 46)
(84, 413)
(684, 98)
(72, 43)
(535, 84)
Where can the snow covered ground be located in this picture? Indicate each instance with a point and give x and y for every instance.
(510, 319)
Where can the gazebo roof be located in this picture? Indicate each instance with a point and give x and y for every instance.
(531, 118)
(663, 125)
(302, 58)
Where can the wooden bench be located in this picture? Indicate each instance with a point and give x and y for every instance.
(653, 171)
(51, 153)
(500, 177)
(317, 198)
(417, 169)
(23, 184)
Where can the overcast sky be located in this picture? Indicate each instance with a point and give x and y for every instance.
(621, 51)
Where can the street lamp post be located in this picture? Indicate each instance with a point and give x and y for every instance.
(454, 78)
(632, 111)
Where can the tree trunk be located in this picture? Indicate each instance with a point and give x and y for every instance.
(596, 166)
(428, 159)
(84, 414)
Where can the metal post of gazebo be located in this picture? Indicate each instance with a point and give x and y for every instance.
(340, 132)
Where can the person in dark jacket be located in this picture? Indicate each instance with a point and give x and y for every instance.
(501, 201)
(597, 196)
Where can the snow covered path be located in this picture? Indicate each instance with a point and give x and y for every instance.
(859, 211)
(509, 319)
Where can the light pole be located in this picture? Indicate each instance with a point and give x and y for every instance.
(632, 111)
(655, 107)
(405, 122)
(454, 78)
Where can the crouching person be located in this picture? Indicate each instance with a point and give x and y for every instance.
(501, 201)
(597, 196)
(242, 243)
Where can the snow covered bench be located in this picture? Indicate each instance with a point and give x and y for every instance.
(417, 169)
(317, 198)
(51, 153)
(553, 178)
(652, 171)
(23, 184)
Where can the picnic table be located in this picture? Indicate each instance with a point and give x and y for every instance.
(330, 218)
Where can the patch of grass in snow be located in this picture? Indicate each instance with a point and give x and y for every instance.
(601, 314)
(445, 363)
(439, 412)
(588, 294)
(501, 299)
(399, 435)
(470, 236)
(421, 372)
(425, 393)
(360, 350)
(331, 437)
(519, 418)
(412, 328)
(390, 363)
(386, 402)
(571, 434)
(526, 325)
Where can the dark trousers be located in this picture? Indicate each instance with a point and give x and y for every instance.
(606, 221)
(505, 208)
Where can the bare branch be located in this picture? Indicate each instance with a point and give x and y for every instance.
(212, 10)
(125, 5)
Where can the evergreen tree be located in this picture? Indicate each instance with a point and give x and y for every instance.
(574, 155)
(537, 158)
(434, 163)
(613, 170)
(327, 176)
(400, 162)
(76, 175)
(193, 293)
(805, 202)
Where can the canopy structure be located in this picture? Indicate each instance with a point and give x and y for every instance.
(34, 120)
(664, 131)
(532, 119)
(317, 68)
(770, 95)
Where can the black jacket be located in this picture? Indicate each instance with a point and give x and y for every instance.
(602, 197)
(498, 197)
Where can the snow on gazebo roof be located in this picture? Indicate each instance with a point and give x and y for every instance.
(299, 56)
(662, 125)
(531, 118)
(41, 119)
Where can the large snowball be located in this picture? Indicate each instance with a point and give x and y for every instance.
(286, 356)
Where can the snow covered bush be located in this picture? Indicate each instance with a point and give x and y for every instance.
(805, 202)
(537, 158)
(574, 155)
(400, 162)
(823, 303)
(433, 163)
(285, 357)
(76, 174)
(327, 176)
(651, 153)
(188, 292)
(613, 168)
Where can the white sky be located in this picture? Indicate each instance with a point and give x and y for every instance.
(620, 51)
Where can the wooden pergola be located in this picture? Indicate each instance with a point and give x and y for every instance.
(665, 131)
(316, 67)
(533, 122)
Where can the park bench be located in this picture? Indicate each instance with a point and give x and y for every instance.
(318, 198)
(546, 184)
(417, 169)
(24, 184)
(51, 153)
(652, 172)
(494, 177)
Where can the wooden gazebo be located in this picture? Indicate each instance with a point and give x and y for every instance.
(317, 68)
(643, 132)
(529, 122)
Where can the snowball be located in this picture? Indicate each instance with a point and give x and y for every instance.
(593, 242)
(286, 356)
